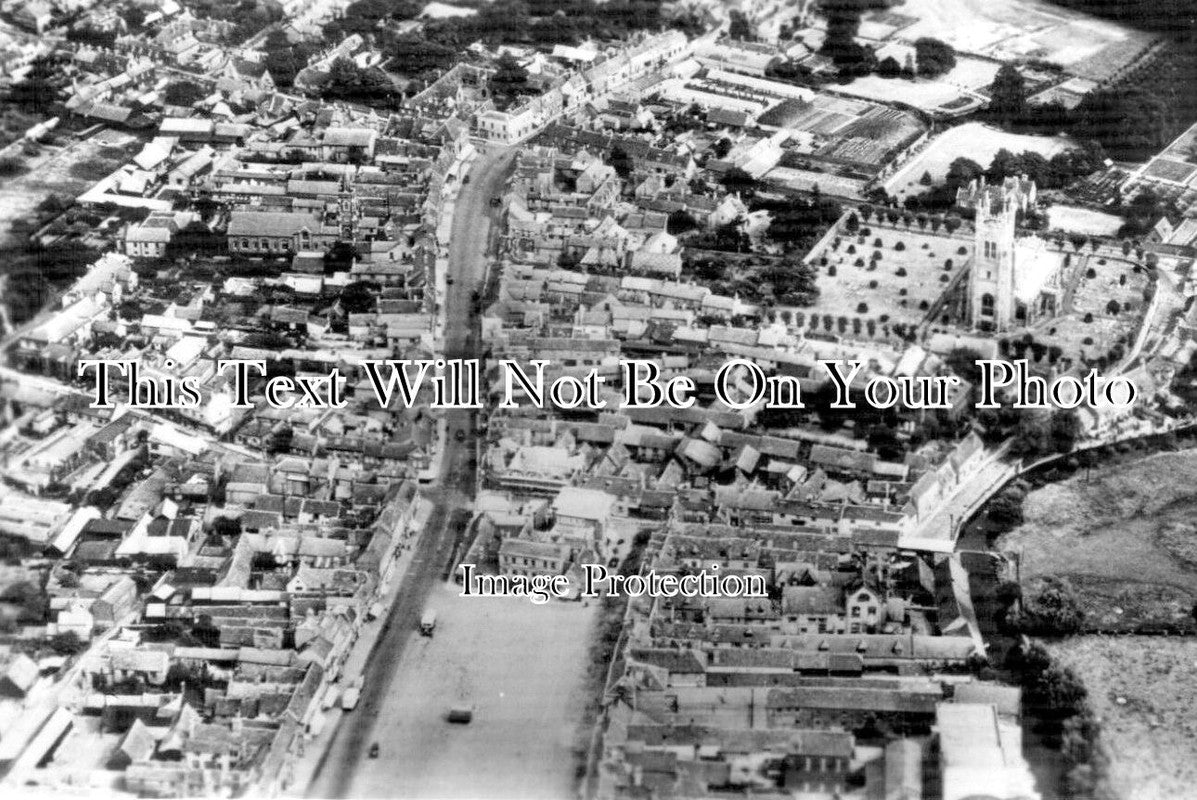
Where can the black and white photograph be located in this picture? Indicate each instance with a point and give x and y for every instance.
(598, 399)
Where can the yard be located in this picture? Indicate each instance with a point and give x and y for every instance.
(1123, 535)
(886, 274)
(1144, 692)
(972, 140)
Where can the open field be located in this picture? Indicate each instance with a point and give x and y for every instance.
(971, 140)
(962, 84)
(1075, 219)
(55, 170)
(523, 668)
(1024, 29)
(1144, 692)
(1124, 536)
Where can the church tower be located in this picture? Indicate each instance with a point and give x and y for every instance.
(991, 303)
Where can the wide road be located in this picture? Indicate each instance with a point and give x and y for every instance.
(438, 544)
(523, 669)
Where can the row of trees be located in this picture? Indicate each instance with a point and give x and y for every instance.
(1056, 172)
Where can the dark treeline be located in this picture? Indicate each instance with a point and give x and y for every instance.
(1167, 16)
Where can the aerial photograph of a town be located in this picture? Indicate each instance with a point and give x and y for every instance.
(598, 399)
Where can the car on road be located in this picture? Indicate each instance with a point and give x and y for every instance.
(461, 714)
(495, 202)
(374, 750)
(428, 623)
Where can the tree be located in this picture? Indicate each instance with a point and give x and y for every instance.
(133, 16)
(1006, 164)
(284, 58)
(1053, 609)
(1065, 424)
(961, 172)
(739, 27)
(40, 85)
(889, 68)
(67, 643)
(359, 297)
(509, 80)
(738, 181)
(226, 526)
(933, 57)
(1005, 509)
(348, 81)
(1008, 93)
(279, 440)
(621, 161)
(963, 362)
(412, 54)
(183, 93)
(840, 45)
(340, 257)
(681, 221)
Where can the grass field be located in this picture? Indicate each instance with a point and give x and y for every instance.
(971, 140)
(1016, 29)
(1124, 536)
(1144, 692)
(1075, 219)
(961, 83)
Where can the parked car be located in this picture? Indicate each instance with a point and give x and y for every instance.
(374, 750)
(461, 714)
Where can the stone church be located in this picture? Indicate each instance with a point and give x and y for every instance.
(1013, 283)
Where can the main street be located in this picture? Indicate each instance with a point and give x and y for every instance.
(437, 545)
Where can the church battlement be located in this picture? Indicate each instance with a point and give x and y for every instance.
(1011, 283)
(1020, 192)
